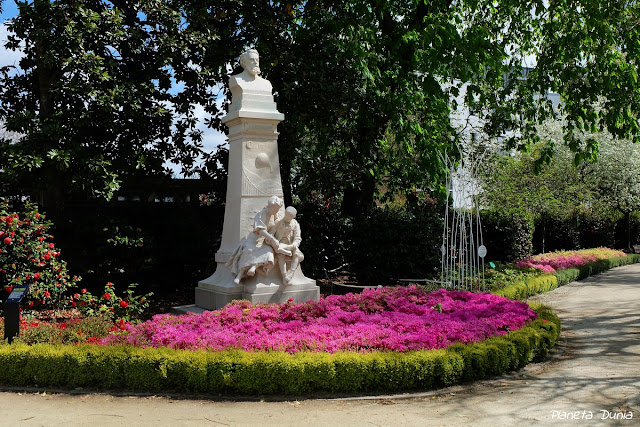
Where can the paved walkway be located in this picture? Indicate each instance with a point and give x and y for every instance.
(595, 372)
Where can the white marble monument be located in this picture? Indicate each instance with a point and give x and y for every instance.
(252, 263)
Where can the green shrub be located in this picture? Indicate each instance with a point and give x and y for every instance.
(503, 275)
(332, 240)
(326, 235)
(414, 227)
(529, 286)
(153, 244)
(620, 227)
(526, 286)
(586, 230)
(596, 231)
(567, 275)
(507, 236)
(572, 274)
(263, 373)
(557, 233)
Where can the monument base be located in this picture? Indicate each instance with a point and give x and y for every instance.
(219, 289)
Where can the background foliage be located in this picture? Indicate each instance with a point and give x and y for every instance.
(572, 203)
(362, 84)
(107, 92)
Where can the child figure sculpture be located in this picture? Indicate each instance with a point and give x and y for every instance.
(287, 232)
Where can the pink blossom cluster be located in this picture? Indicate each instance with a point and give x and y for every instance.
(395, 319)
(550, 262)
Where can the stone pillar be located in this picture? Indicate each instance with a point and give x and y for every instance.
(254, 176)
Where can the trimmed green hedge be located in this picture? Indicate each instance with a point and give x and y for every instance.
(523, 289)
(508, 234)
(263, 373)
(572, 274)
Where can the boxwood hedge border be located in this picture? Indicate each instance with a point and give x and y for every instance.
(273, 373)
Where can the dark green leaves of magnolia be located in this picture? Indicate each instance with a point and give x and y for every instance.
(92, 98)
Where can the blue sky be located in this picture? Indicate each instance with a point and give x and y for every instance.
(10, 10)
(211, 138)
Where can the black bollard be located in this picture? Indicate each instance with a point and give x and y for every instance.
(12, 312)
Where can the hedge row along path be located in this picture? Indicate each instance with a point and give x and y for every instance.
(595, 371)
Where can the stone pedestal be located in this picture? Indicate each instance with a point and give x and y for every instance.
(254, 176)
(216, 292)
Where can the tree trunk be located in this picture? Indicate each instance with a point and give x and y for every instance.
(51, 192)
(285, 176)
(627, 220)
(357, 202)
(53, 195)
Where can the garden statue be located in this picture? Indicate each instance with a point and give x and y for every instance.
(287, 233)
(255, 237)
(256, 251)
(274, 237)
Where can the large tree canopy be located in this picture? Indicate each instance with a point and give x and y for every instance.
(367, 86)
(104, 91)
(588, 52)
(361, 85)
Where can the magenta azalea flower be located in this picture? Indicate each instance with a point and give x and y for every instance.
(393, 319)
(550, 262)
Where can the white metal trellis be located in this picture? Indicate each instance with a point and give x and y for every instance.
(463, 249)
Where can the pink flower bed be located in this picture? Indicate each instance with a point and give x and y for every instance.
(396, 319)
(553, 261)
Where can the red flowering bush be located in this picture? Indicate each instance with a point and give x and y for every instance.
(71, 331)
(110, 305)
(28, 255)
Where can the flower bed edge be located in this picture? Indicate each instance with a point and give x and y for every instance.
(274, 373)
(546, 282)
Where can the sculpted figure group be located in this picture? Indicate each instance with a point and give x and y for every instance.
(275, 239)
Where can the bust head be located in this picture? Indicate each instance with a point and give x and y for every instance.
(250, 62)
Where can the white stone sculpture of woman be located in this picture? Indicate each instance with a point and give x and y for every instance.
(255, 253)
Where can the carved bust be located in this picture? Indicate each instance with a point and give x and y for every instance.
(251, 95)
(249, 91)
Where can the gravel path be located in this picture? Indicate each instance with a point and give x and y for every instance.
(595, 371)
